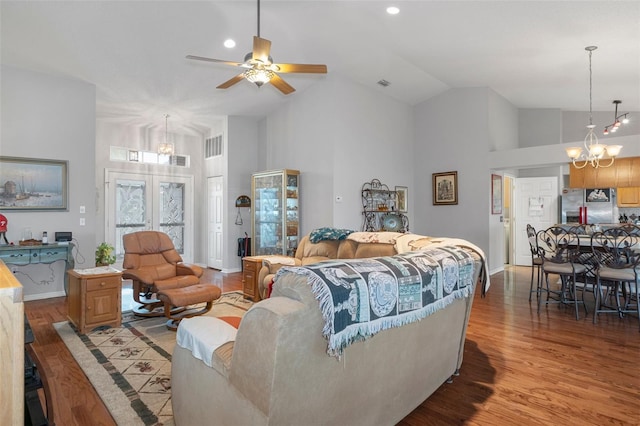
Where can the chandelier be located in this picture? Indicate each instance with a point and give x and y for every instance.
(613, 127)
(594, 151)
(166, 147)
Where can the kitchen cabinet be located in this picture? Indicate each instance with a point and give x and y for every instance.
(275, 220)
(95, 299)
(625, 172)
(629, 197)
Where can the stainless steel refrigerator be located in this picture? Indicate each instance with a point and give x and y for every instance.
(600, 204)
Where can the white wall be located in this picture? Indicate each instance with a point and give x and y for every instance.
(340, 135)
(51, 117)
(452, 134)
(243, 160)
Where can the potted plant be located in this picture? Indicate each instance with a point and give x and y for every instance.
(105, 255)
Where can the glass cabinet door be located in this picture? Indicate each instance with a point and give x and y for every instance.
(275, 217)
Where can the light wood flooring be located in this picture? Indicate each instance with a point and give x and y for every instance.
(519, 367)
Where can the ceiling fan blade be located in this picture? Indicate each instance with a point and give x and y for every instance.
(281, 85)
(301, 68)
(231, 82)
(261, 49)
(202, 58)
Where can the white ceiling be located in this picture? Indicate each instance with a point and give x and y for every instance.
(531, 53)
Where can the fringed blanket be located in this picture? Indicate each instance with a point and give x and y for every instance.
(360, 297)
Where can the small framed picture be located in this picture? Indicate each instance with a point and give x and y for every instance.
(496, 194)
(445, 188)
(402, 201)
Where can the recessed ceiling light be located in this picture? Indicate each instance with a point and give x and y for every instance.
(392, 10)
(229, 44)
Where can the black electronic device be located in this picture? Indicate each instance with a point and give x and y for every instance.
(63, 236)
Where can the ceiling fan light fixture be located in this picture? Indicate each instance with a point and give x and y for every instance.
(259, 76)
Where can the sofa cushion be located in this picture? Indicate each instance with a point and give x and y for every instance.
(326, 248)
(350, 249)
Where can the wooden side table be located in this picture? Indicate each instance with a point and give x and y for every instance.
(250, 268)
(95, 299)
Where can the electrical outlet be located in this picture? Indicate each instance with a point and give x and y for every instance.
(82, 209)
(82, 222)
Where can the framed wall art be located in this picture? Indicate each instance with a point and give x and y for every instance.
(30, 184)
(445, 188)
(496, 194)
(402, 201)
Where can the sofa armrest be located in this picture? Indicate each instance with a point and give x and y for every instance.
(188, 269)
(268, 270)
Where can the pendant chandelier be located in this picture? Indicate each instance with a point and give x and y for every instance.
(594, 151)
(166, 147)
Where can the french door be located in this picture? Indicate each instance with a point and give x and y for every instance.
(137, 202)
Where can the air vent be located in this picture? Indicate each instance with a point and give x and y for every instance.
(384, 83)
(179, 160)
(213, 147)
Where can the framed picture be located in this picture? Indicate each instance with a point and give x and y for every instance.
(445, 188)
(598, 195)
(30, 184)
(496, 194)
(402, 202)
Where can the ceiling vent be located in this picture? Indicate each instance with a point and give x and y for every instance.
(384, 83)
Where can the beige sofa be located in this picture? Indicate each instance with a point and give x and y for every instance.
(278, 372)
(359, 245)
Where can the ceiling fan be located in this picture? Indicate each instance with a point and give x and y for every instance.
(260, 68)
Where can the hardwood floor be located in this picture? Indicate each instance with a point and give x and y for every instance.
(519, 367)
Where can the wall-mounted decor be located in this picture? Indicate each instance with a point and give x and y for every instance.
(32, 184)
(496, 194)
(402, 200)
(445, 188)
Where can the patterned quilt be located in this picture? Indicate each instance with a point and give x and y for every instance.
(360, 297)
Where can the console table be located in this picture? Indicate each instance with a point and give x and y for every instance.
(25, 255)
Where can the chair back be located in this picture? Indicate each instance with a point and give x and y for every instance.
(558, 245)
(150, 249)
(617, 248)
(533, 241)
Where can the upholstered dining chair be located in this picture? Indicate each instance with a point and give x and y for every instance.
(559, 250)
(153, 264)
(617, 275)
(536, 261)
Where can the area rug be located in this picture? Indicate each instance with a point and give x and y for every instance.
(130, 366)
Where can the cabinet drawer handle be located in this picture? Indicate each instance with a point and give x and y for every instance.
(102, 284)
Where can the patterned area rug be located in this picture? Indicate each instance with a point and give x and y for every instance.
(130, 366)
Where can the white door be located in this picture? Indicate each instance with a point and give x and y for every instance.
(536, 204)
(216, 216)
(137, 201)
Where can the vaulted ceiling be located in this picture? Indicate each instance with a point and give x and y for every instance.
(531, 53)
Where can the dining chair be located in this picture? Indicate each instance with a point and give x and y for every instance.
(618, 254)
(559, 250)
(536, 261)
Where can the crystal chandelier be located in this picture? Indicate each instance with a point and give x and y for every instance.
(166, 147)
(594, 151)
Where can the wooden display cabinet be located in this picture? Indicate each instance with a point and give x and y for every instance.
(95, 300)
(250, 269)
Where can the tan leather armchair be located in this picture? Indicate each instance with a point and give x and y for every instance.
(153, 264)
